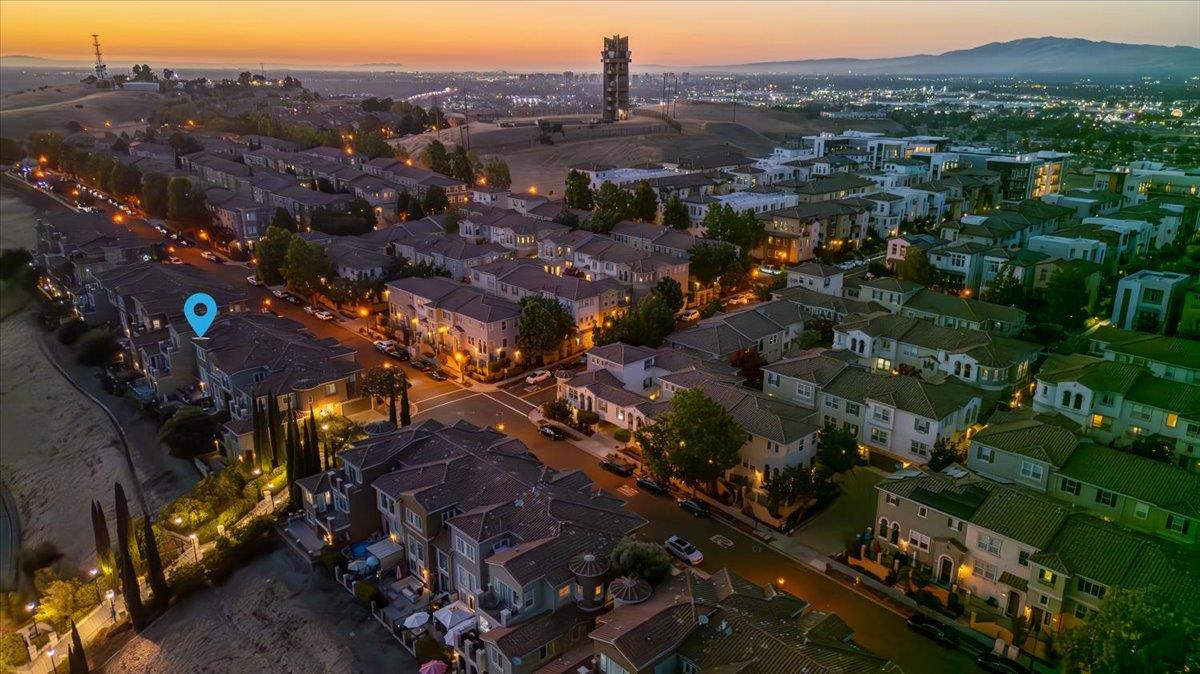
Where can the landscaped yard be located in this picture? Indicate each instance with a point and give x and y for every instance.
(850, 514)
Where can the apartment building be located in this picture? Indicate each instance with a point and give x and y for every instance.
(1144, 180)
(73, 246)
(818, 277)
(1022, 176)
(890, 342)
(600, 257)
(245, 357)
(794, 234)
(1166, 357)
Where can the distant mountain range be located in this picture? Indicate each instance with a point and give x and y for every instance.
(1027, 56)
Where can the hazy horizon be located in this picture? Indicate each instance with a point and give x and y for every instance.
(526, 36)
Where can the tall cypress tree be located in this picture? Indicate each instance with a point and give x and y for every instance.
(129, 582)
(256, 422)
(76, 658)
(104, 554)
(293, 463)
(405, 408)
(275, 423)
(154, 569)
(392, 399)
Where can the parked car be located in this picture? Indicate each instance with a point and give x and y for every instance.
(994, 662)
(174, 260)
(614, 463)
(384, 344)
(537, 376)
(769, 269)
(934, 629)
(695, 506)
(690, 315)
(552, 432)
(279, 292)
(253, 280)
(186, 242)
(419, 364)
(323, 315)
(309, 309)
(398, 353)
(650, 484)
(738, 300)
(684, 550)
(436, 374)
(293, 299)
(210, 256)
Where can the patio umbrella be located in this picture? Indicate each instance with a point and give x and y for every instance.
(434, 667)
(416, 620)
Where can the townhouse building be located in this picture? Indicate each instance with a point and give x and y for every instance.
(657, 238)
(822, 307)
(890, 342)
(818, 277)
(888, 292)
(756, 200)
(952, 311)
(246, 357)
(897, 418)
(589, 303)
(636, 269)
(146, 301)
(1173, 358)
(794, 234)
(767, 330)
(73, 246)
(1149, 300)
(514, 231)
(1122, 403)
(449, 318)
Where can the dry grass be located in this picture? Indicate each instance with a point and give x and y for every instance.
(50, 109)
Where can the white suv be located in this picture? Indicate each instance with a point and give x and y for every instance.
(684, 550)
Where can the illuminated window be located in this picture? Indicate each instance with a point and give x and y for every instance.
(1172, 419)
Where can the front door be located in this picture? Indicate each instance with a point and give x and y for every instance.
(945, 567)
(1014, 604)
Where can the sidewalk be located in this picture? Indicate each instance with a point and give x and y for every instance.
(89, 626)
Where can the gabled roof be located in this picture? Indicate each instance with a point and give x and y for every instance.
(911, 394)
(1137, 477)
(1031, 436)
(929, 301)
(1175, 351)
(1021, 515)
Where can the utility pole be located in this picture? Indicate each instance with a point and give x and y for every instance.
(101, 69)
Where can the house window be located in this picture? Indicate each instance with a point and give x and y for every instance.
(1081, 611)
(1088, 587)
(882, 414)
(772, 379)
(1141, 510)
(690, 667)
(921, 425)
(922, 511)
(463, 547)
(918, 540)
(1069, 486)
(954, 523)
(985, 454)
(1023, 558)
(1107, 498)
(413, 519)
(879, 437)
(1032, 471)
(330, 389)
(806, 390)
(1172, 419)
(1047, 577)
(985, 570)
(892, 500)
(919, 448)
(1179, 525)
(852, 409)
(831, 403)
(988, 544)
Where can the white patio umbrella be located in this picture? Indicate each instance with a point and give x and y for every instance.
(416, 620)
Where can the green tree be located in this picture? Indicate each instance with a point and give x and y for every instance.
(1066, 298)
(1006, 289)
(915, 267)
(1136, 630)
(668, 288)
(675, 214)
(945, 453)
(76, 657)
(644, 205)
(130, 589)
(640, 559)
(96, 347)
(436, 159)
(435, 200)
(837, 448)
(647, 323)
(408, 207)
(154, 194)
(305, 268)
(104, 553)
(496, 173)
(283, 219)
(578, 192)
(614, 201)
(461, 167)
(371, 144)
(543, 326)
(184, 202)
(451, 222)
(698, 438)
(792, 484)
(46, 145)
(386, 383)
(154, 568)
(189, 432)
(11, 151)
(271, 252)
(711, 262)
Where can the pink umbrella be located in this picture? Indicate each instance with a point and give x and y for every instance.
(434, 667)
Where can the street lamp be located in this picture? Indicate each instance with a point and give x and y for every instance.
(30, 608)
(195, 546)
(462, 375)
(112, 607)
(53, 664)
(267, 494)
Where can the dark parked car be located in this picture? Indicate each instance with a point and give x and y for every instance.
(419, 364)
(650, 484)
(694, 506)
(436, 374)
(293, 299)
(934, 629)
(991, 662)
(398, 354)
(552, 432)
(618, 465)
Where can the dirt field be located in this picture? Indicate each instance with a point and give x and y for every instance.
(50, 109)
(774, 123)
(270, 616)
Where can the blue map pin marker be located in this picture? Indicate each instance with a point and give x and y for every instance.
(198, 322)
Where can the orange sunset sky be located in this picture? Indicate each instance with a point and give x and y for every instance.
(552, 35)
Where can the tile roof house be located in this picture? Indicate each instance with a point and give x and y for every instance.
(589, 302)
(767, 329)
(1167, 357)
(72, 246)
(961, 312)
(725, 623)
(447, 317)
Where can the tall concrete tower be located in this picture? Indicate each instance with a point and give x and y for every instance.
(615, 58)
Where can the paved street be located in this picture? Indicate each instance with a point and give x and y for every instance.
(877, 628)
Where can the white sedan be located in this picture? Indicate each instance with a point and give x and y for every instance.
(279, 293)
(537, 376)
(385, 344)
(323, 315)
(253, 280)
(684, 550)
